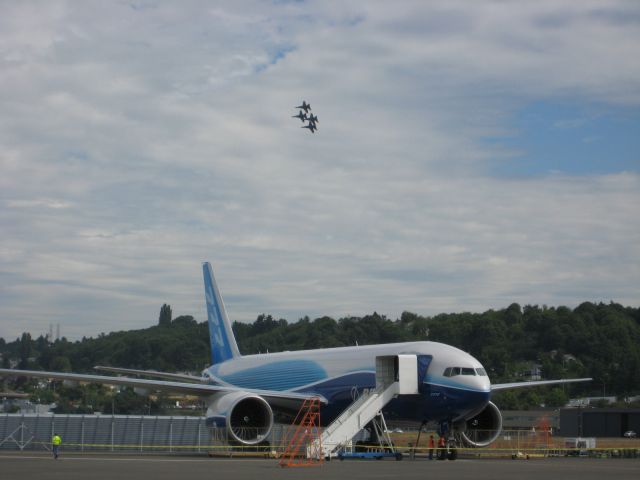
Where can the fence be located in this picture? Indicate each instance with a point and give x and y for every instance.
(533, 443)
(105, 432)
(191, 435)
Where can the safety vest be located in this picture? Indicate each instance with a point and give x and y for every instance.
(56, 440)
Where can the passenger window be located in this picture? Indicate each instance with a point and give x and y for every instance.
(468, 371)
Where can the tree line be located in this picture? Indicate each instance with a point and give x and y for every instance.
(592, 340)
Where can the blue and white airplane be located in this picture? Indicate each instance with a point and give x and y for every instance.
(245, 393)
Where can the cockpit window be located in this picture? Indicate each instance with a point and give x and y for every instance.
(482, 372)
(453, 371)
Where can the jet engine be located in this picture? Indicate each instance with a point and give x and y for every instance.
(482, 429)
(248, 418)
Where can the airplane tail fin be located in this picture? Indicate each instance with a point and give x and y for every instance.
(223, 343)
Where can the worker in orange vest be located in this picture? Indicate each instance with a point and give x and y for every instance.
(432, 445)
(442, 447)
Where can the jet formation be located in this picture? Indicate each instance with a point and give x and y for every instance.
(306, 116)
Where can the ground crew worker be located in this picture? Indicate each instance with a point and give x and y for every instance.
(55, 444)
(432, 445)
(442, 447)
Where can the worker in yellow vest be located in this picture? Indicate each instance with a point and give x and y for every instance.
(56, 441)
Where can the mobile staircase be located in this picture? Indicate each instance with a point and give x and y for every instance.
(395, 375)
(304, 432)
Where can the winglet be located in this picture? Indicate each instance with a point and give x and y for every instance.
(223, 343)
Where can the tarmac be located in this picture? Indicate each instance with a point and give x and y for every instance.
(28, 465)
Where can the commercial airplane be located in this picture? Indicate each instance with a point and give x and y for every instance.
(305, 106)
(245, 393)
(301, 116)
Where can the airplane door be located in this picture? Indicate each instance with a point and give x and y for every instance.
(423, 365)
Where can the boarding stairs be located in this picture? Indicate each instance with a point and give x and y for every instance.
(395, 375)
(304, 432)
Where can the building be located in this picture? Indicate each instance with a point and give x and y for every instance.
(529, 419)
(586, 401)
(598, 422)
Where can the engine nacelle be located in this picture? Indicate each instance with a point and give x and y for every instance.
(482, 429)
(248, 418)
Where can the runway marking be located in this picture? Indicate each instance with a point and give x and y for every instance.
(125, 459)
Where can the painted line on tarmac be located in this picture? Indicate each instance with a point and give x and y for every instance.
(125, 459)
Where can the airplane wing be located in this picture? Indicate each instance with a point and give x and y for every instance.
(509, 386)
(151, 373)
(275, 398)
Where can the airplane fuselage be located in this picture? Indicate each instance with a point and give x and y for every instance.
(340, 374)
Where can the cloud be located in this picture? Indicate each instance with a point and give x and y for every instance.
(141, 139)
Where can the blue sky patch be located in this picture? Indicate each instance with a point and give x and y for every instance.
(572, 139)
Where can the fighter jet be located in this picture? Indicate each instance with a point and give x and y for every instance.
(301, 116)
(312, 127)
(305, 106)
(313, 119)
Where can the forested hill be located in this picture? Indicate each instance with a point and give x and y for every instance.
(597, 340)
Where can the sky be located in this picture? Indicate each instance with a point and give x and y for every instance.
(470, 154)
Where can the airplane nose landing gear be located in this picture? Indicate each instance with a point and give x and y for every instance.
(452, 449)
(447, 443)
(447, 449)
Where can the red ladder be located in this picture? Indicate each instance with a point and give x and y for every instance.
(306, 432)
